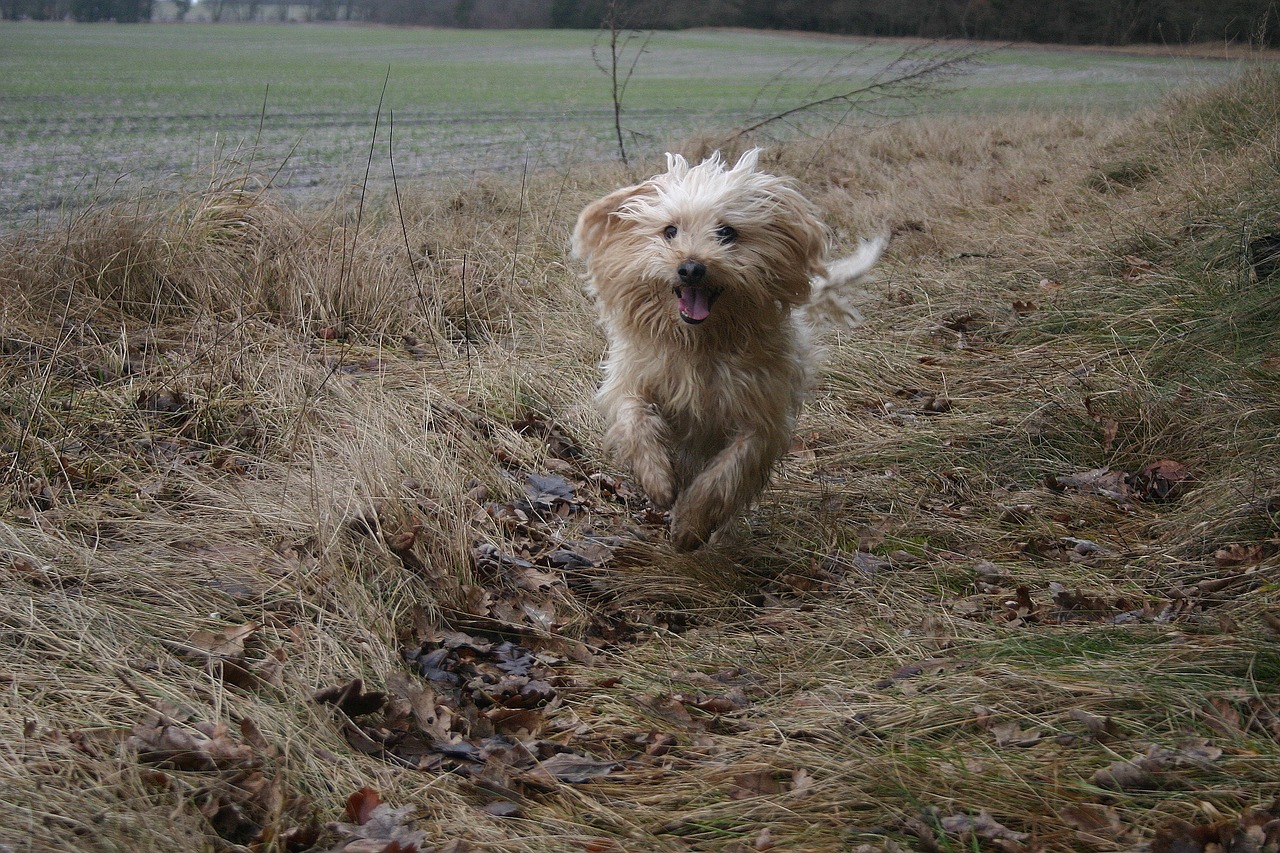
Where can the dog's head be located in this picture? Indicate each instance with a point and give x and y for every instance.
(701, 244)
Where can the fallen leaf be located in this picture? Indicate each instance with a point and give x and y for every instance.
(801, 784)
(1271, 619)
(985, 827)
(502, 808)
(668, 708)
(1255, 831)
(253, 735)
(383, 831)
(1098, 825)
(1101, 729)
(1099, 481)
(361, 805)
(716, 704)
(227, 642)
(558, 443)
(1011, 734)
(201, 746)
(1137, 267)
(575, 769)
(351, 698)
(756, 783)
(1147, 771)
(1242, 555)
(1161, 481)
(928, 666)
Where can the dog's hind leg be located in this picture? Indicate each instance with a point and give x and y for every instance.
(725, 487)
(639, 439)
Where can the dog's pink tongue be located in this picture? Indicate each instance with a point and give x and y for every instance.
(695, 303)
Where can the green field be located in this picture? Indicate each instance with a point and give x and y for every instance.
(98, 111)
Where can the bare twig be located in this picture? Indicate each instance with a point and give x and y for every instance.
(620, 41)
(915, 73)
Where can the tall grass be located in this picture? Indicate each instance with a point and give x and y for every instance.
(252, 452)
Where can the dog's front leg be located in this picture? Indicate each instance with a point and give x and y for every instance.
(639, 438)
(733, 478)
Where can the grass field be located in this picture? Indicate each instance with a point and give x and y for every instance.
(100, 111)
(308, 543)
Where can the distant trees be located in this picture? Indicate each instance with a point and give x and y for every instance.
(122, 11)
(1115, 22)
(479, 14)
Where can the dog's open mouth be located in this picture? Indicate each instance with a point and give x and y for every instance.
(696, 301)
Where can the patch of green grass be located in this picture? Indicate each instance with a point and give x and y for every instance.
(90, 112)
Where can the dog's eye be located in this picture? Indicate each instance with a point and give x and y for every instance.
(670, 232)
(727, 234)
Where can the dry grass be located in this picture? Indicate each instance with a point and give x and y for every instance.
(251, 455)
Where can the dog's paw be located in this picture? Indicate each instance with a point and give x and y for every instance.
(689, 531)
(684, 539)
(659, 486)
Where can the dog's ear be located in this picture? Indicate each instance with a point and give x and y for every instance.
(800, 238)
(599, 220)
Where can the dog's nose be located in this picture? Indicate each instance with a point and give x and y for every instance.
(692, 272)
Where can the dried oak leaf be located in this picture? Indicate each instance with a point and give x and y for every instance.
(429, 713)
(1101, 729)
(228, 642)
(361, 805)
(1098, 826)
(1099, 481)
(502, 808)
(381, 828)
(1011, 734)
(251, 733)
(575, 769)
(223, 651)
(1150, 769)
(558, 443)
(757, 783)
(202, 746)
(669, 708)
(351, 698)
(929, 666)
(986, 828)
(236, 805)
(1022, 607)
(1244, 555)
(1161, 481)
(1255, 831)
(734, 700)
(548, 494)
(802, 784)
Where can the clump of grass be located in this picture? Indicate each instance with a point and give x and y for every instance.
(251, 453)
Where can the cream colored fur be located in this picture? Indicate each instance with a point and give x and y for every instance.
(709, 280)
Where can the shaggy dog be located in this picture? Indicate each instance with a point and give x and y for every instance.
(708, 279)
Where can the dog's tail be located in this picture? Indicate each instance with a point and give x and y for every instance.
(832, 299)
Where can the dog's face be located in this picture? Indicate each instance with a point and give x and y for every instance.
(706, 244)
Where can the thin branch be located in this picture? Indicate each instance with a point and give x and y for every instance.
(892, 82)
(618, 86)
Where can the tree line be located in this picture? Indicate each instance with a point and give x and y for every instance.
(1110, 22)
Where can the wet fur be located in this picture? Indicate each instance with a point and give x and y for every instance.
(701, 412)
